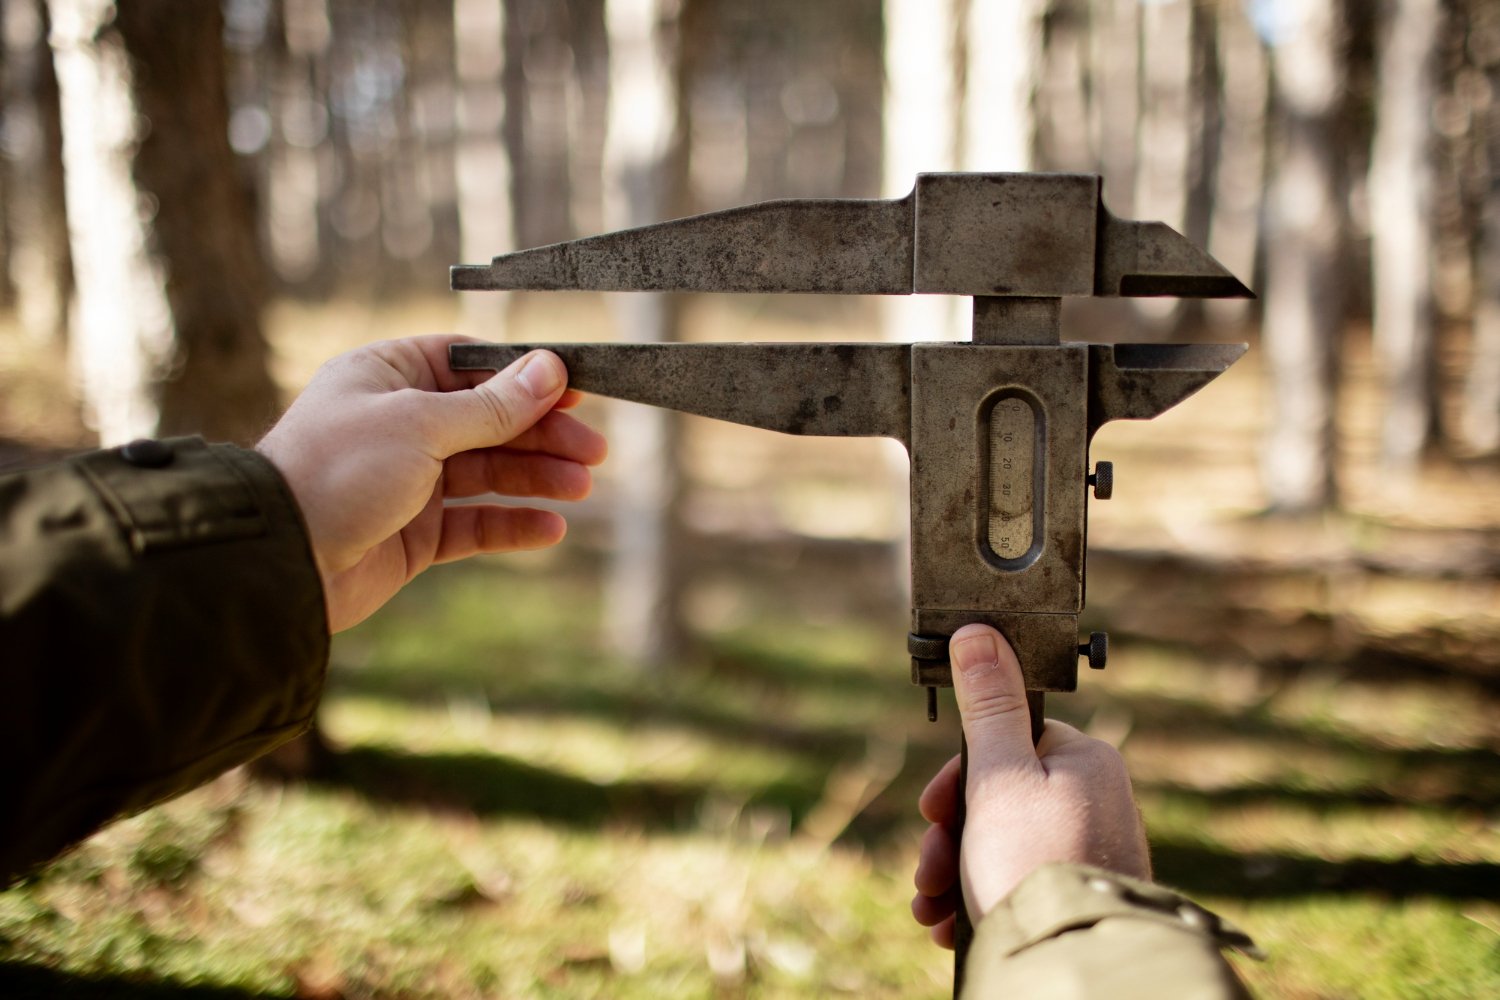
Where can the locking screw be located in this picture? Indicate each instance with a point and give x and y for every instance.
(1096, 649)
(1103, 480)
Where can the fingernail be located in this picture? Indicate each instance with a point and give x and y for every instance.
(976, 655)
(540, 374)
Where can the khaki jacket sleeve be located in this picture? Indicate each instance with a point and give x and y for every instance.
(161, 620)
(1069, 932)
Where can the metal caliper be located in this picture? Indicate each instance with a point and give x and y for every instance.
(997, 429)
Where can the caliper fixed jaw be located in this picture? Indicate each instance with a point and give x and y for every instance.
(982, 234)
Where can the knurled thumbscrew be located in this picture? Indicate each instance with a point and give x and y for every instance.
(1103, 480)
(1096, 649)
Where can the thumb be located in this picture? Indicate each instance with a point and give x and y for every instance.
(991, 698)
(499, 409)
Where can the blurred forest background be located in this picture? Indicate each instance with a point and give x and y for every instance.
(678, 755)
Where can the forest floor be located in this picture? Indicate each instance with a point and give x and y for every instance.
(1308, 710)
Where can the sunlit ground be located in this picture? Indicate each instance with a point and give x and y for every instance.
(1308, 712)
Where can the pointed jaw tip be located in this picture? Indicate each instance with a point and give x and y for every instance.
(1186, 286)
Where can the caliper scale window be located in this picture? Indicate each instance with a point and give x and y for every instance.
(1012, 530)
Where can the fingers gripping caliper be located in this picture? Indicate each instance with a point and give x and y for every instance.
(997, 429)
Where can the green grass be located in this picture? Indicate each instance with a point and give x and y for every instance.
(510, 813)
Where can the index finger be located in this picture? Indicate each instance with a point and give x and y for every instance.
(939, 800)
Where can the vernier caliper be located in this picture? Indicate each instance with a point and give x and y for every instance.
(997, 429)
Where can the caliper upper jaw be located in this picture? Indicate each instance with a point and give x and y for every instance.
(1141, 259)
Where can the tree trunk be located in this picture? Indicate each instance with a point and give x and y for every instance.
(1115, 108)
(1001, 76)
(1164, 138)
(924, 63)
(482, 165)
(1064, 141)
(588, 123)
(644, 175)
(1239, 171)
(1304, 292)
(294, 174)
(170, 288)
(1403, 241)
(41, 272)
(1480, 417)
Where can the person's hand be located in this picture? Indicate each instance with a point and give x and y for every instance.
(1067, 799)
(385, 433)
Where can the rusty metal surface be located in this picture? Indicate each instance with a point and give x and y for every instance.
(1006, 234)
(1033, 235)
(846, 247)
(1150, 258)
(833, 390)
(998, 429)
(1141, 381)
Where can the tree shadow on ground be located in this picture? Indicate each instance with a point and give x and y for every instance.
(1269, 793)
(492, 785)
(20, 981)
(634, 707)
(1210, 871)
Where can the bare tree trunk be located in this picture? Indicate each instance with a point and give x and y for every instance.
(1003, 66)
(1064, 140)
(1304, 292)
(169, 283)
(299, 116)
(1239, 172)
(40, 270)
(1480, 417)
(1115, 110)
(1164, 138)
(1402, 176)
(486, 223)
(922, 134)
(588, 119)
(645, 173)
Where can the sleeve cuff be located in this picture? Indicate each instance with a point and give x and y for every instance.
(1059, 898)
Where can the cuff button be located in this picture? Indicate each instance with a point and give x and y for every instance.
(1196, 918)
(147, 454)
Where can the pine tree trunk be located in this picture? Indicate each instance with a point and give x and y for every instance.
(1064, 140)
(1115, 109)
(922, 134)
(1403, 242)
(1480, 419)
(41, 272)
(1164, 139)
(644, 176)
(1239, 171)
(589, 122)
(294, 172)
(1304, 292)
(169, 277)
(1003, 67)
(482, 162)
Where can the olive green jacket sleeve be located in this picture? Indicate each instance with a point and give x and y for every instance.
(1070, 932)
(161, 620)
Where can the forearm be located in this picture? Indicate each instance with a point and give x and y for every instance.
(161, 620)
